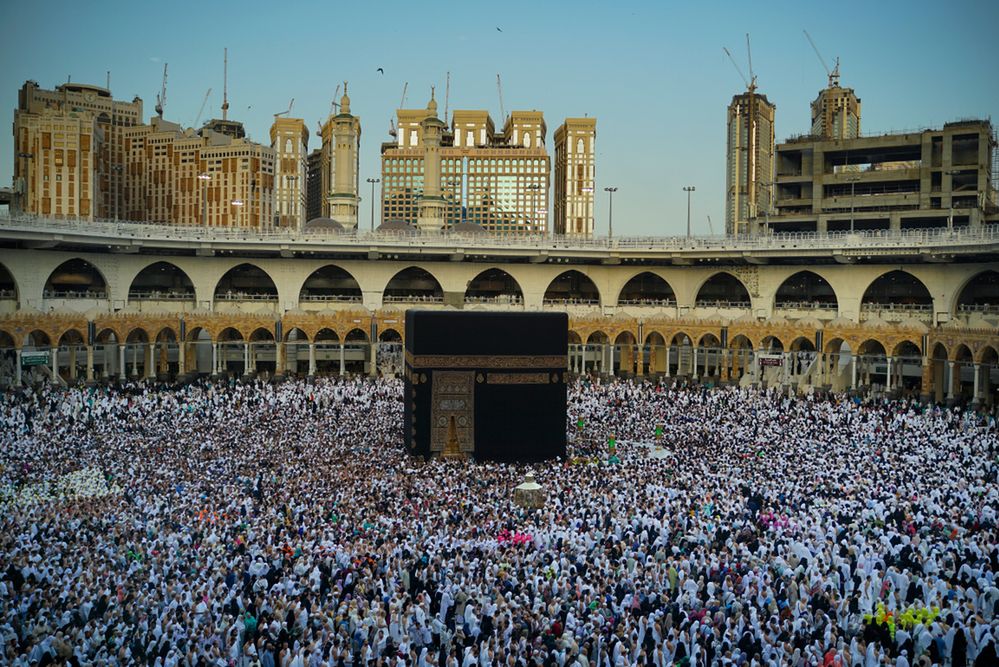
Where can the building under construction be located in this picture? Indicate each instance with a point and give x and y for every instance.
(906, 180)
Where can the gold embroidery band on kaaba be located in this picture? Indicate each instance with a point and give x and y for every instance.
(486, 361)
(516, 378)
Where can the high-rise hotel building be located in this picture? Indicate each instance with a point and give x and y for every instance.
(497, 180)
(68, 150)
(575, 176)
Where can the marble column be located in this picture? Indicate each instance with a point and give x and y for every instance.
(54, 361)
(72, 362)
(121, 362)
(90, 363)
(343, 359)
(312, 359)
(17, 367)
(953, 377)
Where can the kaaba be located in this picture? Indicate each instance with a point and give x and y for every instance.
(497, 381)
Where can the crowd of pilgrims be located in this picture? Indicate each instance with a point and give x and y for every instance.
(284, 525)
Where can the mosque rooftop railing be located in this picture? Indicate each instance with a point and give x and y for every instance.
(21, 226)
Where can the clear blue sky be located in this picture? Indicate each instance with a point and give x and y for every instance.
(653, 73)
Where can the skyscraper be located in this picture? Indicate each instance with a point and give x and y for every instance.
(574, 176)
(749, 160)
(836, 111)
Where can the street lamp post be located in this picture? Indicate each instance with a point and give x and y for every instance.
(204, 178)
(688, 189)
(610, 212)
(373, 181)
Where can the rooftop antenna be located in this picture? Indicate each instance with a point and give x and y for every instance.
(499, 87)
(447, 96)
(108, 86)
(225, 83)
(161, 98)
(202, 109)
(832, 74)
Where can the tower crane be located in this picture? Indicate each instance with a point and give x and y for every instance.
(286, 111)
(447, 95)
(334, 104)
(751, 81)
(161, 98)
(499, 88)
(202, 109)
(832, 74)
(402, 103)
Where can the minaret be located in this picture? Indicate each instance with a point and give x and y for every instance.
(432, 205)
(344, 198)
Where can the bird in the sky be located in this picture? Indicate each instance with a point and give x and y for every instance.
(498, 29)
(380, 70)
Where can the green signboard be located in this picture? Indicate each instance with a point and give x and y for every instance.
(35, 358)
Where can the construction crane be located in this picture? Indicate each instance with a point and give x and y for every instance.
(499, 87)
(161, 98)
(447, 95)
(334, 104)
(736, 65)
(225, 83)
(286, 111)
(751, 81)
(833, 74)
(392, 130)
(202, 109)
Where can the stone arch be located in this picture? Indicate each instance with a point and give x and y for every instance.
(356, 335)
(330, 282)
(906, 348)
(389, 335)
(327, 335)
(896, 289)
(246, 281)
(597, 338)
(72, 337)
(988, 355)
(161, 280)
(261, 335)
(8, 284)
(806, 289)
(229, 335)
(570, 287)
(872, 347)
(137, 335)
(37, 338)
(741, 342)
(980, 293)
(7, 341)
(108, 334)
(802, 344)
(574, 338)
(493, 285)
(413, 283)
(166, 335)
(296, 334)
(772, 343)
(646, 288)
(77, 278)
(961, 353)
(722, 289)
